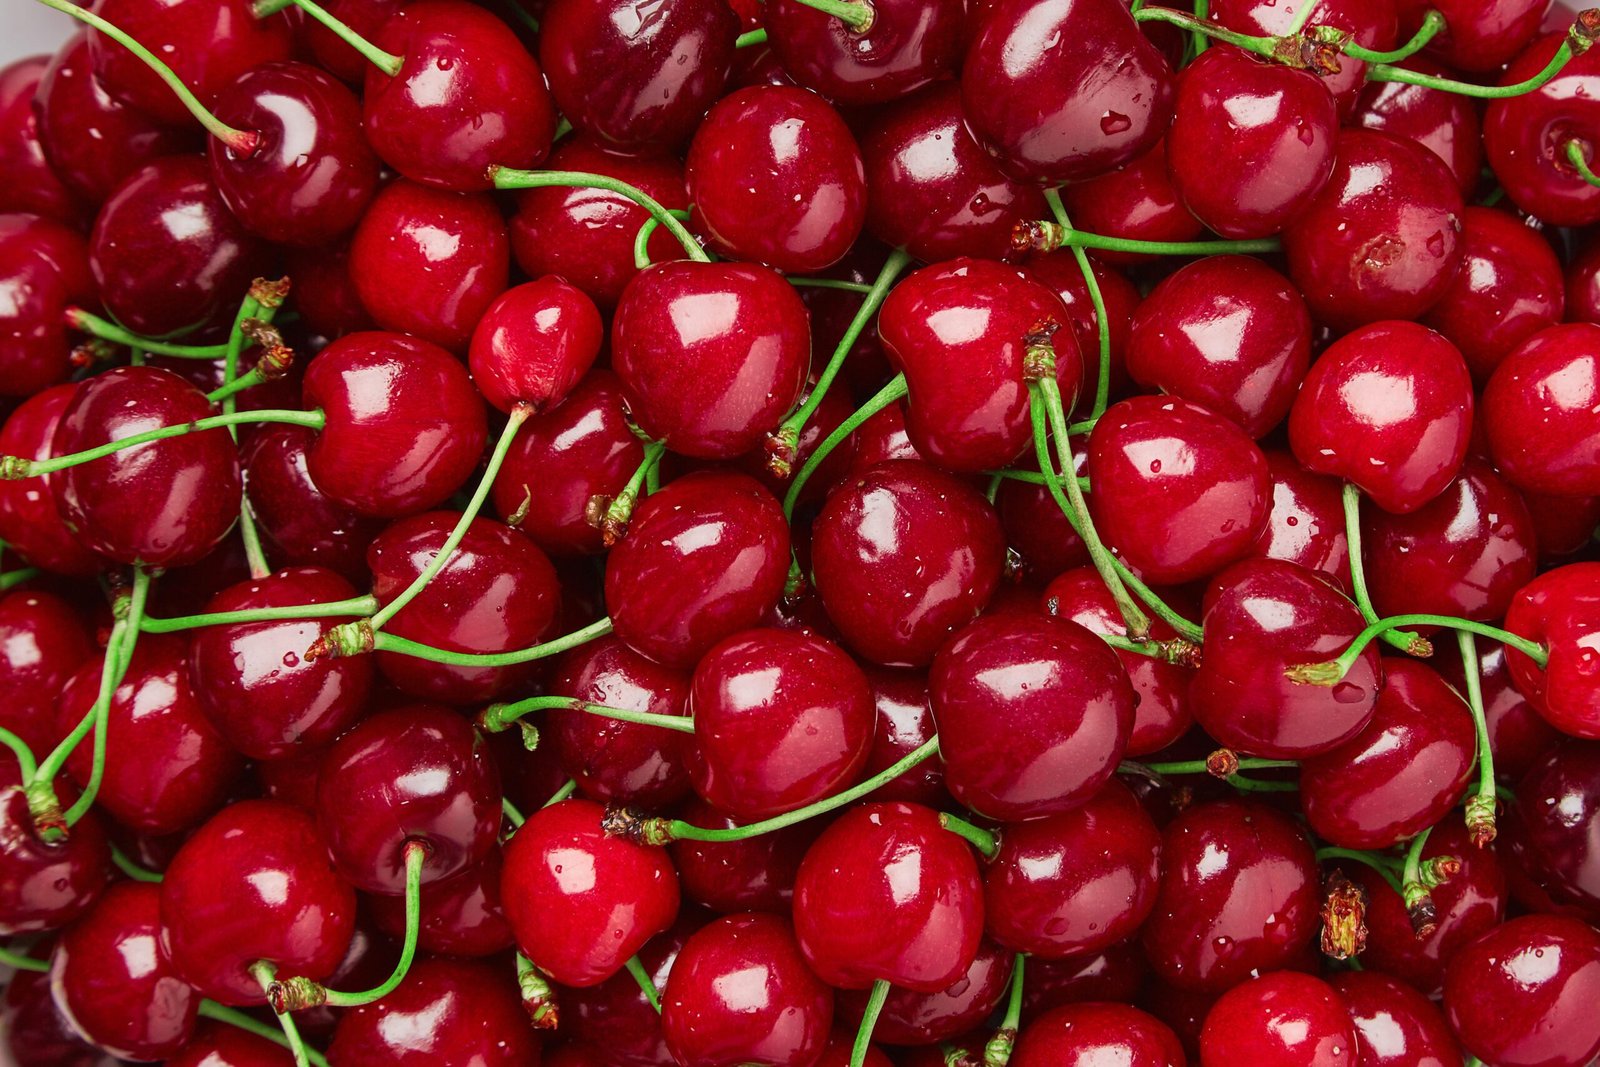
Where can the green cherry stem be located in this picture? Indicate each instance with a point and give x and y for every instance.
(1177, 651)
(384, 61)
(507, 178)
(1580, 36)
(1351, 498)
(1481, 805)
(1386, 867)
(358, 605)
(986, 842)
(124, 657)
(1049, 235)
(512, 813)
(869, 1022)
(1418, 878)
(263, 300)
(856, 14)
(1220, 764)
(612, 516)
(265, 975)
(18, 962)
(1102, 392)
(647, 985)
(754, 37)
(16, 467)
(538, 998)
(11, 579)
(1331, 672)
(997, 1052)
(1577, 153)
(106, 330)
(1197, 24)
(497, 718)
(385, 642)
(889, 394)
(1432, 25)
(131, 869)
(1037, 477)
(210, 1009)
(641, 240)
(1301, 17)
(831, 283)
(24, 755)
(563, 793)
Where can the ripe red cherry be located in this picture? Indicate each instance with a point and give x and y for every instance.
(752, 874)
(534, 343)
(923, 1019)
(781, 719)
(896, 595)
(1446, 124)
(460, 916)
(1238, 896)
(888, 894)
(1136, 202)
(1553, 833)
(1523, 993)
(1395, 1026)
(740, 992)
(1389, 408)
(43, 642)
(254, 883)
(582, 902)
(908, 44)
(635, 81)
(1538, 411)
(960, 331)
(429, 262)
(299, 523)
(113, 982)
(331, 52)
(1383, 238)
(1518, 734)
(1525, 137)
(614, 1016)
(711, 355)
(1306, 525)
(405, 427)
(44, 269)
(1370, 23)
(467, 96)
(1285, 1018)
(1059, 270)
(1083, 1035)
(1560, 609)
(1034, 714)
(1478, 36)
(30, 184)
(1251, 141)
(446, 1013)
(905, 723)
(46, 886)
(1064, 90)
(30, 525)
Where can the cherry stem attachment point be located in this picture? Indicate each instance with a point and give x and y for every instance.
(385, 642)
(997, 1051)
(1223, 763)
(19, 962)
(611, 517)
(1351, 500)
(1178, 651)
(497, 718)
(1047, 236)
(1331, 672)
(857, 14)
(889, 394)
(647, 985)
(387, 62)
(106, 330)
(17, 467)
(265, 974)
(507, 178)
(869, 1022)
(1577, 153)
(1481, 805)
(987, 843)
(359, 605)
(210, 1009)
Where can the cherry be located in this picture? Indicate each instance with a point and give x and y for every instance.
(222, 1045)
(446, 1013)
(1136, 202)
(460, 916)
(1554, 841)
(534, 344)
(1063, 90)
(1395, 1026)
(113, 982)
(1543, 383)
(904, 724)
(1478, 36)
(746, 874)
(1084, 1035)
(881, 438)
(910, 1018)
(895, 597)
(1238, 896)
(30, 525)
(429, 262)
(464, 96)
(44, 269)
(1446, 124)
(1523, 993)
(46, 886)
(254, 883)
(1583, 284)
(1276, 128)
(614, 1018)
(1518, 735)
(255, 683)
(331, 52)
(662, 70)
(36, 1033)
(907, 45)
(933, 190)
(887, 894)
(1525, 137)
(1382, 240)
(1116, 974)
(1561, 610)
(325, 292)
(961, 332)
(30, 184)
(405, 427)
(781, 719)
(740, 991)
(1060, 271)
(1284, 1018)
(299, 523)
(711, 355)
(1371, 23)
(1306, 524)
(43, 642)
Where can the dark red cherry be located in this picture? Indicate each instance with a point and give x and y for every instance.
(46, 886)
(447, 1013)
(1251, 141)
(636, 80)
(299, 522)
(711, 355)
(1525, 137)
(903, 555)
(908, 44)
(886, 893)
(254, 883)
(429, 262)
(781, 719)
(44, 270)
(1524, 993)
(1555, 840)
(460, 916)
(1560, 610)
(43, 642)
(310, 175)
(1228, 333)
(1382, 240)
(580, 901)
(418, 773)
(1089, 1034)
(1479, 35)
(751, 874)
(960, 331)
(904, 724)
(1518, 734)
(405, 427)
(1135, 202)
(1060, 271)
(1387, 407)
(166, 767)
(1040, 542)
(168, 255)
(614, 1018)
(1285, 1018)
(1306, 525)
(1539, 412)
(223, 1045)
(1065, 89)
(1447, 124)
(534, 343)
(30, 525)
(1583, 284)
(1238, 896)
(1395, 1026)
(332, 53)
(1115, 975)
(704, 558)
(740, 992)
(35, 1032)
(325, 292)
(911, 1018)
(113, 982)
(1371, 23)
(1034, 714)
(27, 181)
(467, 97)
(1402, 773)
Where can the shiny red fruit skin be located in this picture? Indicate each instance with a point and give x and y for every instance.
(910, 43)
(1479, 35)
(534, 344)
(1560, 610)
(1446, 124)
(1525, 137)
(1544, 435)
(29, 183)
(446, 1013)
(299, 523)
(44, 269)
(1371, 23)
(1094, 1033)
(923, 1019)
(1395, 1025)
(43, 642)
(1552, 836)
(46, 886)
(30, 525)
(1286, 1019)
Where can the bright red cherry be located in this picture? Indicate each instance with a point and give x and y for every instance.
(46, 886)
(1286, 1018)
(1479, 35)
(1560, 610)
(534, 343)
(43, 642)
(447, 1013)
(1136, 202)
(44, 269)
(460, 916)
(30, 525)
(1306, 525)
(299, 523)
(1395, 1026)
(1371, 23)
(1092, 1033)
(1525, 137)
(1539, 412)
(905, 723)
(30, 184)
(1447, 124)
(908, 44)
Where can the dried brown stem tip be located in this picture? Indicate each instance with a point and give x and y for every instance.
(1481, 820)
(1344, 918)
(270, 294)
(782, 449)
(296, 994)
(1223, 763)
(634, 825)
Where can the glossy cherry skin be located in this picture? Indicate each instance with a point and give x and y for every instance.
(909, 44)
(1306, 524)
(1478, 36)
(460, 916)
(1544, 436)
(1555, 840)
(781, 719)
(928, 1019)
(1560, 610)
(1382, 240)
(46, 886)
(1275, 128)
(1211, 482)
(1285, 1018)
(1465, 553)
(299, 523)
(905, 723)
(254, 883)
(740, 992)
(711, 355)
(1059, 270)
(35, 1032)
(1525, 138)
(534, 343)
(331, 53)
(753, 874)
(468, 96)
(636, 81)
(582, 902)
(30, 525)
(614, 1019)
(1092, 1033)
(1509, 287)
(1238, 895)
(429, 262)
(1064, 90)
(447, 1013)
(1523, 993)
(886, 893)
(44, 269)
(1370, 22)
(1137, 202)
(1389, 408)
(1228, 333)
(30, 185)
(1518, 735)
(1066, 702)
(254, 681)
(1395, 1026)
(113, 982)
(1446, 124)
(43, 642)
(960, 332)
(405, 427)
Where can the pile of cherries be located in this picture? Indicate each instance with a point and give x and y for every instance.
(811, 533)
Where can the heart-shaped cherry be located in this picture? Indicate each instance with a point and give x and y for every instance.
(534, 343)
